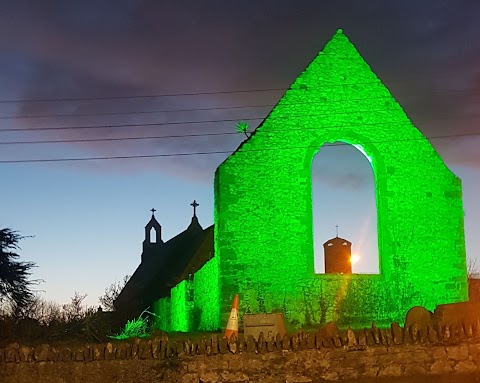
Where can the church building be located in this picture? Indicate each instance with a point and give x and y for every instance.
(164, 264)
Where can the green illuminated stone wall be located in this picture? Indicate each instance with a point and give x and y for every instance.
(263, 203)
(161, 309)
(207, 297)
(193, 305)
(181, 307)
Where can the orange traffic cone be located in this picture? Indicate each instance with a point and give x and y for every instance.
(232, 324)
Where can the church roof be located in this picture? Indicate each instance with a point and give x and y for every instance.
(158, 273)
(201, 256)
(153, 222)
(337, 241)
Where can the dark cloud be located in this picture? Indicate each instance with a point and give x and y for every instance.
(426, 52)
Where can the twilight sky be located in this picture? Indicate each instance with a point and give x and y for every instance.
(132, 69)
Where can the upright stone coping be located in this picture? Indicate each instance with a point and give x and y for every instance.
(299, 357)
(326, 338)
(435, 344)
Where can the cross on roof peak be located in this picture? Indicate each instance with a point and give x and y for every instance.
(336, 226)
(153, 211)
(194, 204)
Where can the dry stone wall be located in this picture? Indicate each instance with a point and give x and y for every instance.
(326, 355)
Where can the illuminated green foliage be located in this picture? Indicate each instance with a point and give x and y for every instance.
(263, 203)
(136, 328)
(242, 127)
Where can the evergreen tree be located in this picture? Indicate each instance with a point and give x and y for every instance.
(15, 282)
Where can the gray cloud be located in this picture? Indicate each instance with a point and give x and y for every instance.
(341, 167)
(426, 52)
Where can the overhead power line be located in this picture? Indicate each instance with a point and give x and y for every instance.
(221, 151)
(219, 92)
(181, 110)
(194, 122)
(101, 126)
(213, 108)
(163, 111)
(130, 125)
(146, 96)
(190, 135)
(115, 138)
(137, 112)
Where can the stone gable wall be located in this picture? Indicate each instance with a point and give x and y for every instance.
(263, 199)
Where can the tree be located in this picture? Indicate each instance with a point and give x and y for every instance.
(242, 127)
(75, 310)
(111, 293)
(43, 311)
(473, 281)
(15, 282)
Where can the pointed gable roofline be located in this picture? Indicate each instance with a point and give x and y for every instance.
(153, 223)
(332, 78)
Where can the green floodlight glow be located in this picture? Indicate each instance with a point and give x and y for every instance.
(161, 308)
(263, 211)
(206, 315)
(360, 149)
(181, 306)
(192, 307)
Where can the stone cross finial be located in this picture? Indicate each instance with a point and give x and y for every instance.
(194, 204)
(153, 211)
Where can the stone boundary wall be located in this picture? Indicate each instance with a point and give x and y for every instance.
(326, 355)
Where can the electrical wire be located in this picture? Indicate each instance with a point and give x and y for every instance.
(137, 138)
(222, 151)
(137, 112)
(388, 97)
(207, 93)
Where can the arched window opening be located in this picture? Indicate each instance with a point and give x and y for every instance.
(153, 235)
(344, 206)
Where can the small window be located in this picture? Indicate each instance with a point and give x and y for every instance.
(153, 235)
